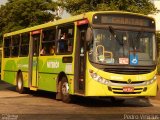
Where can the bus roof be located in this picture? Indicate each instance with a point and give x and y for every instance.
(87, 15)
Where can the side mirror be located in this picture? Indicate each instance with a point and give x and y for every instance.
(89, 35)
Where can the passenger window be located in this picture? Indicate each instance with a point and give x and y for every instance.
(48, 42)
(24, 46)
(15, 45)
(7, 46)
(65, 39)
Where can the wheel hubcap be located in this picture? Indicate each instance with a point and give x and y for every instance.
(19, 84)
(65, 88)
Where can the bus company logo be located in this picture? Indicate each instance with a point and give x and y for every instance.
(129, 81)
(54, 64)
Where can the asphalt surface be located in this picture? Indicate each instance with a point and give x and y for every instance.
(42, 105)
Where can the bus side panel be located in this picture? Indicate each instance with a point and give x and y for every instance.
(46, 73)
(71, 84)
(2, 68)
(22, 65)
(49, 69)
(25, 79)
(9, 77)
(10, 69)
(47, 82)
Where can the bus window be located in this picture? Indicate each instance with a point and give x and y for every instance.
(48, 42)
(15, 45)
(36, 41)
(65, 39)
(24, 46)
(7, 46)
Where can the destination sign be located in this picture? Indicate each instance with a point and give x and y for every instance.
(122, 19)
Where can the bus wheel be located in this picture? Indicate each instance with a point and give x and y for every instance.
(66, 97)
(19, 86)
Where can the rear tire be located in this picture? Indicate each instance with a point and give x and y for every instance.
(19, 85)
(64, 89)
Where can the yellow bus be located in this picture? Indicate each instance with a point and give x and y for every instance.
(104, 53)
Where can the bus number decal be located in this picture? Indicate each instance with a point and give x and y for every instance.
(53, 64)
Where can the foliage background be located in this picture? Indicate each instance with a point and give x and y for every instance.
(80, 6)
(158, 51)
(19, 14)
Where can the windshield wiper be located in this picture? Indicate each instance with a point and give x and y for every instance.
(111, 30)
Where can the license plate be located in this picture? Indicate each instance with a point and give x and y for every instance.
(128, 89)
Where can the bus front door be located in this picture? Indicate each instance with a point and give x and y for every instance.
(33, 59)
(80, 60)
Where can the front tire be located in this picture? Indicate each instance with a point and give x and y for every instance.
(66, 97)
(19, 85)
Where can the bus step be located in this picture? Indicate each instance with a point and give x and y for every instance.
(79, 94)
(33, 88)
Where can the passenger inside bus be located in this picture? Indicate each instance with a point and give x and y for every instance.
(63, 36)
(62, 45)
(52, 49)
(43, 51)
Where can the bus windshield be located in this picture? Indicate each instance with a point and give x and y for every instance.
(111, 46)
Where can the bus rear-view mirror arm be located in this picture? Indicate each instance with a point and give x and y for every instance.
(89, 35)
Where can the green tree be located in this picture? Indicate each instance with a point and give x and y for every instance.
(158, 51)
(158, 42)
(18, 14)
(80, 6)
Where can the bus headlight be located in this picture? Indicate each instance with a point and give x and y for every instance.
(98, 78)
(150, 81)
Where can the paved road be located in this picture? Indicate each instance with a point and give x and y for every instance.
(42, 105)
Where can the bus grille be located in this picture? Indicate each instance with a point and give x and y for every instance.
(129, 71)
(126, 82)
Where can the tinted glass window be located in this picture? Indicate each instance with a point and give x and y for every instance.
(7, 46)
(24, 46)
(48, 42)
(15, 45)
(65, 39)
